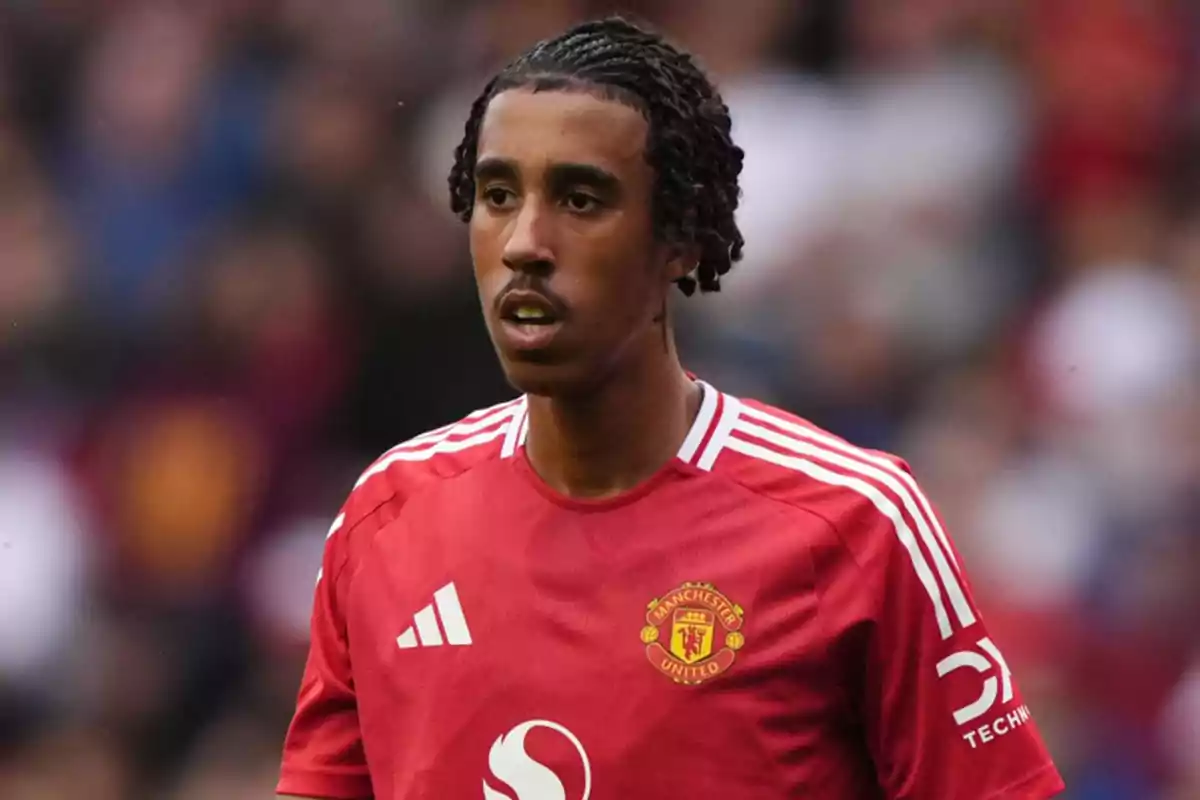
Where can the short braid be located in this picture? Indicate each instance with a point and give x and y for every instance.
(695, 161)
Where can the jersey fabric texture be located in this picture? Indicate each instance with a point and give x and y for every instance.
(776, 613)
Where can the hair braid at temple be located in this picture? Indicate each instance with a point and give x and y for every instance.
(695, 161)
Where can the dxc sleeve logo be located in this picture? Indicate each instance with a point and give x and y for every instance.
(984, 662)
(529, 779)
(972, 659)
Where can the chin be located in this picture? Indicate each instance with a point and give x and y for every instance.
(548, 379)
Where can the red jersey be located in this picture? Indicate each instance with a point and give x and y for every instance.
(776, 613)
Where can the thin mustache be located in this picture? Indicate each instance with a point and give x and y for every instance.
(529, 283)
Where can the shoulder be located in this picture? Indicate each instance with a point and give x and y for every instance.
(788, 458)
(868, 497)
(481, 437)
(870, 500)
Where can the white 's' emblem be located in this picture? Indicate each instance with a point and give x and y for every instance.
(529, 779)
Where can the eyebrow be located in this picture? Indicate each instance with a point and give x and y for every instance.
(495, 169)
(559, 175)
(565, 175)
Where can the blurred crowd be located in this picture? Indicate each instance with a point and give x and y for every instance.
(229, 278)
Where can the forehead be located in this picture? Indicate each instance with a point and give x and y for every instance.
(535, 129)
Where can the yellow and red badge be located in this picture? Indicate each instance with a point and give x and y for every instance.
(702, 631)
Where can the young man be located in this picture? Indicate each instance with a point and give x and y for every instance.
(626, 584)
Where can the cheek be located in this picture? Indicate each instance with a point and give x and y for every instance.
(632, 297)
(486, 251)
(641, 273)
(480, 244)
(632, 256)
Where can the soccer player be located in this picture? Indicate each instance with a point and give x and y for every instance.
(627, 584)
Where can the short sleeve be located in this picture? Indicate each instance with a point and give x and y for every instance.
(323, 752)
(941, 709)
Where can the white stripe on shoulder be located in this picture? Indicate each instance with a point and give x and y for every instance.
(876, 497)
(702, 423)
(491, 413)
(338, 521)
(479, 427)
(337, 524)
(512, 434)
(477, 430)
(731, 411)
(887, 466)
(445, 445)
(949, 578)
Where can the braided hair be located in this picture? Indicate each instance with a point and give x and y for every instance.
(695, 161)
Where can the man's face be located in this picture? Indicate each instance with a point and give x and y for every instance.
(569, 272)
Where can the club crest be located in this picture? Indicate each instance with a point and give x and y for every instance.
(693, 633)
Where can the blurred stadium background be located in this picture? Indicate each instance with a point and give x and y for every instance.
(228, 279)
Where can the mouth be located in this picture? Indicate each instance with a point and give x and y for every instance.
(529, 320)
(524, 307)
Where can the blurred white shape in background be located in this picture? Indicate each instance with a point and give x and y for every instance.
(1110, 355)
(791, 130)
(928, 152)
(281, 577)
(1037, 531)
(42, 566)
(1120, 337)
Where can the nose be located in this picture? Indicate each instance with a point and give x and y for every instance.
(529, 247)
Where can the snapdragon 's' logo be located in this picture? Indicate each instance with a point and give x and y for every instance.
(526, 777)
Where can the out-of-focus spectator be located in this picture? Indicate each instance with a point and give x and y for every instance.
(35, 249)
(163, 146)
(235, 759)
(61, 762)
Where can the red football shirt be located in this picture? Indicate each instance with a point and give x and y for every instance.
(775, 614)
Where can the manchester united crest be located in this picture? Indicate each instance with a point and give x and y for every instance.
(693, 633)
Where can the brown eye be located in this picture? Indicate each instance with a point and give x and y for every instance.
(581, 203)
(497, 197)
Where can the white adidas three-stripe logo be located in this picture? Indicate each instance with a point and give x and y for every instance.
(425, 630)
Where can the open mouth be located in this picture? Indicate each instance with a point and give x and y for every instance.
(528, 308)
(528, 315)
(531, 320)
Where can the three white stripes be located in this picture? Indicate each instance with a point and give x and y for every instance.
(484, 426)
(502, 419)
(425, 631)
(864, 473)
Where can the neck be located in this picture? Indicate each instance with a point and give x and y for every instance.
(612, 439)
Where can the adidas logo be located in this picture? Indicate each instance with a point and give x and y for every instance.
(425, 630)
